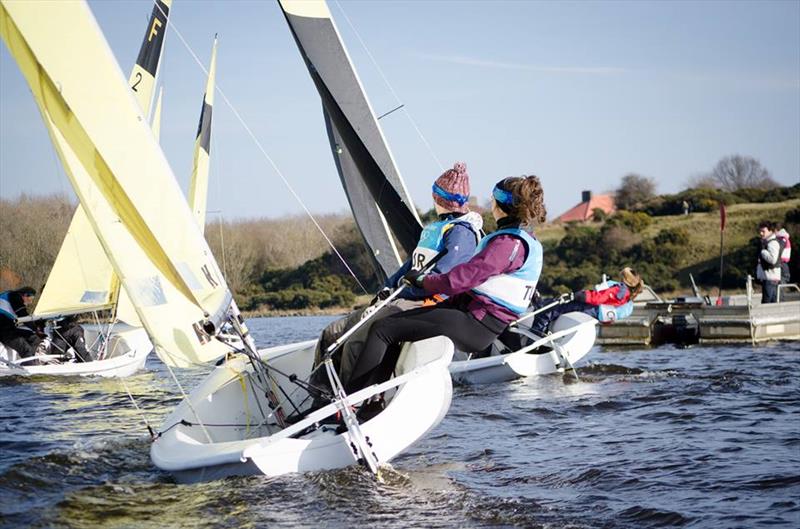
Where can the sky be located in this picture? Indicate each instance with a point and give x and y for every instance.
(578, 93)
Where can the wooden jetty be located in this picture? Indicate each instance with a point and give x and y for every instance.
(739, 319)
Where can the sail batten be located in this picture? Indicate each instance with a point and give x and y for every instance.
(126, 186)
(381, 205)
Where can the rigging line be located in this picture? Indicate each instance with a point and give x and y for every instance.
(391, 89)
(216, 161)
(266, 156)
(189, 403)
(138, 409)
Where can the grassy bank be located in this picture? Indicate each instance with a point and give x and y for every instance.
(284, 267)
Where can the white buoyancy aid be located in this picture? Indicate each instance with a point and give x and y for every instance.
(513, 290)
(609, 313)
(431, 241)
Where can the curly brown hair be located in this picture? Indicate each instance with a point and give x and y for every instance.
(528, 205)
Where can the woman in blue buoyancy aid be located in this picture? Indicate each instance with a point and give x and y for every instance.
(486, 293)
(457, 230)
(606, 302)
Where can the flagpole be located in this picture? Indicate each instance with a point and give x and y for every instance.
(722, 218)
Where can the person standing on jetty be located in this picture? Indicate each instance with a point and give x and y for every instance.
(487, 292)
(456, 230)
(768, 269)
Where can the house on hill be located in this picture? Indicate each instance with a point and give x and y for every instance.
(584, 211)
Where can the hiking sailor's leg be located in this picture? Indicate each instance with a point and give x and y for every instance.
(468, 333)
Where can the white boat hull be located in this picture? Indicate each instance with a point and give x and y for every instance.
(573, 333)
(128, 348)
(251, 443)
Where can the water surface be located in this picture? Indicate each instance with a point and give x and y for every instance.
(699, 437)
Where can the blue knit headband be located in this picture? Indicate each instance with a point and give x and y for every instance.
(502, 196)
(453, 197)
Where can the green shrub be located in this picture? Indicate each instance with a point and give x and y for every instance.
(635, 221)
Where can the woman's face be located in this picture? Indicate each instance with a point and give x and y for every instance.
(497, 213)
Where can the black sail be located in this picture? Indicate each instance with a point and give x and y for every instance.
(376, 193)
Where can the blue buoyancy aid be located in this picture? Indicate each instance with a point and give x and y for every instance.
(431, 241)
(513, 290)
(608, 313)
(6, 309)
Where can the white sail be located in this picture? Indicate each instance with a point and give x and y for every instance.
(156, 122)
(127, 188)
(378, 198)
(82, 279)
(198, 186)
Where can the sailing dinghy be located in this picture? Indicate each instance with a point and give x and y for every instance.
(380, 202)
(571, 338)
(82, 281)
(235, 421)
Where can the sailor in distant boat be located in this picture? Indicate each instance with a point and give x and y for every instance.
(22, 338)
(457, 230)
(68, 340)
(607, 302)
(487, 292)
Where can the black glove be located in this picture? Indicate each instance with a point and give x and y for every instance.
(382, 294)
(580, 296)
(414, 278)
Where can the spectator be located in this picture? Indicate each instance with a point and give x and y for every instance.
(768, 269)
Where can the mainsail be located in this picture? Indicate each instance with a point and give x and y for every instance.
(156, 123)
(373, 185)
(131, 197)
(82, 278)
(198, 187)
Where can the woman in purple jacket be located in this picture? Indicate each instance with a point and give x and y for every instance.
(486, 293)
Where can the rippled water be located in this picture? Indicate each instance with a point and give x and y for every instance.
(700, 437)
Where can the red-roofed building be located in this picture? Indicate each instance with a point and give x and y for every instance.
(584, 211)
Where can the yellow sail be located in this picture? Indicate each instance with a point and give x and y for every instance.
(156, 123)
(143, 77)
(127, 189)
(198, 187)
(82, 278)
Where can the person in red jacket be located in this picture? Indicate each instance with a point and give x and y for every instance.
(606, 302)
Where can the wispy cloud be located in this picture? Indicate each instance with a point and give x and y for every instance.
(483, 63)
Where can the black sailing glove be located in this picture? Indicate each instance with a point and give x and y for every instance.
(580, 296)
(414, 278)
(382, 294)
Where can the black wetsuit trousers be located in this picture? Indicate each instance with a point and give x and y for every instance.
(376, 362)
(24, 343)
(71, 335)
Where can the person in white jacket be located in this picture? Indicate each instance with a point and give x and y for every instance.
(768, 270)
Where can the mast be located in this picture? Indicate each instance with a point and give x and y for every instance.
(380, 203)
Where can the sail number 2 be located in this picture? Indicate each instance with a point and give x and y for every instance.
(138, 76)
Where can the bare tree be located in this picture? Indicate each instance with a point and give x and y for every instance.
(33, 229)
(739, 172)
(634, 190)
(702, 181)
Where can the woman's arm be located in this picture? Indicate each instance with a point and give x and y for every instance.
(504, 253)
(615, 295)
